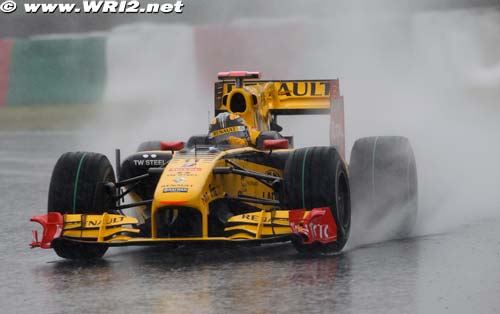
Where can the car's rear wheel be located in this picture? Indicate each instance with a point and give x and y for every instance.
(78, 186)
(384, 188)
(317, 177)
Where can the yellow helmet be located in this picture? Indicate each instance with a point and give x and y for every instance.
(228, 129)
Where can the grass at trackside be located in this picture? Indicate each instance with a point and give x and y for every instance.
(45, 117)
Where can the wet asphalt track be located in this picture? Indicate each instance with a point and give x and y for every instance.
(458, 272)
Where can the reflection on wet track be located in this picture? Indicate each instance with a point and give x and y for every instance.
(457, 272)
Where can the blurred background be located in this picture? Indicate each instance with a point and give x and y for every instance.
(217, 12)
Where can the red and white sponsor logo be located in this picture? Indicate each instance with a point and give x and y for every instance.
(317, 225)
(180, 169)
(312, 230)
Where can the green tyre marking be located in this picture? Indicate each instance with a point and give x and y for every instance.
(75, 190)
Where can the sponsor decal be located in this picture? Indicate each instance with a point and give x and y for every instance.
(304, 89)
(297, 88)
(317, 225)
(149, 162)
(189, 164)
(177, 185)
(180, 169)
(269, 195)
(184, 174)
(175, 190)
(95, 223)
(312, 230)
(255, 218)
(174, 185)
(179, 180)
(232, 129)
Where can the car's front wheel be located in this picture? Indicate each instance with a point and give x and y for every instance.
(317, 177)
(78, 186)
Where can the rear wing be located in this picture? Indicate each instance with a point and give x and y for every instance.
(292, 97)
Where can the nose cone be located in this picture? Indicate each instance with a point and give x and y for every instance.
(184, 180)
(180, 186)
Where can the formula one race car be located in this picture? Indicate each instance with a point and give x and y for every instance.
(241, 183)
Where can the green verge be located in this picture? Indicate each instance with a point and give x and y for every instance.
(57, 71)
(33, 118)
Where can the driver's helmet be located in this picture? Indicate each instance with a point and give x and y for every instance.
(228, 129)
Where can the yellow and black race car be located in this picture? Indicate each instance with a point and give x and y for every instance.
(241, 183)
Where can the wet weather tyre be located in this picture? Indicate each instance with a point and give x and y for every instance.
(384, 187)
(77, 187)
(317, 177)
(149, 146)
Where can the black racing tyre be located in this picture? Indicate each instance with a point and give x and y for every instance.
(149, 146)
(77, 187)
(384, 187)
(77, 250)
(139, 164)
(317, 177)
(148, 185)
